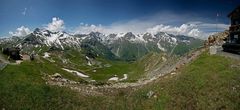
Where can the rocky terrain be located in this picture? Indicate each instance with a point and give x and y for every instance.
(217, 39)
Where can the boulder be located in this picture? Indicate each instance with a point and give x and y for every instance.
(150, 94)
(56, 75)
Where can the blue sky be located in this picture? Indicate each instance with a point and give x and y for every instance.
(109, 13)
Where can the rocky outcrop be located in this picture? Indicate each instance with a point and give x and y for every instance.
(217, 39)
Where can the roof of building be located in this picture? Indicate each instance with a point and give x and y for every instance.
(237, 8)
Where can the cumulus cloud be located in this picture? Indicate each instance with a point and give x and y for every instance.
(85, 29)
(184, 29)
(56, 25)
(21, 31)
(194, 29)
(161, 22)
(117, 27)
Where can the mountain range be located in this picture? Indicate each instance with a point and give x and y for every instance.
(124, 46)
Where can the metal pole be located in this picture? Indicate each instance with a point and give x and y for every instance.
(217, 23)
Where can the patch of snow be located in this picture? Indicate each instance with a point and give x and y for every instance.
(46, 55)
(140, 37)
(52, 38)
(173, 73)
(87, 58)
(107, 65)
(115, 78)
(45, 32)
(57, 75)
(36, 46)
(92, 80)
(125, 76)
(117, 54)
(56, 38)
(174, 40)
(160, 47)
(51, 60)
(186, 41)
(76, 72)
(164, 59)
(19, 45)
(19, 62)
(65, 61)
(120, 35)
(89, 63)
(83, 38)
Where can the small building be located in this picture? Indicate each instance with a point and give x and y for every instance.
(233, 41)
(235, 26)
(13, 53)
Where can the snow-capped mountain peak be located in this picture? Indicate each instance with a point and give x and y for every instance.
(119, 44)
(57, 39)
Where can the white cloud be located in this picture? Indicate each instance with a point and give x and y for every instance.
(21, 31)
(184, 29)
(161, 22)
(118, 27)
(56, 25)
(194, 29)
(85, 29)
(199, 30)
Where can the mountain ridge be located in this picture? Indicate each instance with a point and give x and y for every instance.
(126, 46)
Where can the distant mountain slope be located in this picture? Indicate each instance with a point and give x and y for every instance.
(124, 46)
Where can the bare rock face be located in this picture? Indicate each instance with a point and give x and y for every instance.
(213, 50)
(150, 94)
(56, 75)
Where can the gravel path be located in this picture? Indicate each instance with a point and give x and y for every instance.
(227, 54)
(2, 66)
(3, 62)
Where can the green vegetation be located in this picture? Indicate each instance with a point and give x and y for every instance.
(183, 48)
(103, 69)
(129, 51)
(93, 47)
(23, 88)
(210, 82)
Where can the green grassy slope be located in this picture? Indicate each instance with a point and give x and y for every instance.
(183, 48)
(23, 88)
(102, 70)
(210, 82)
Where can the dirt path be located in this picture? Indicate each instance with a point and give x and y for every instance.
(90, 89)
(3, 62)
